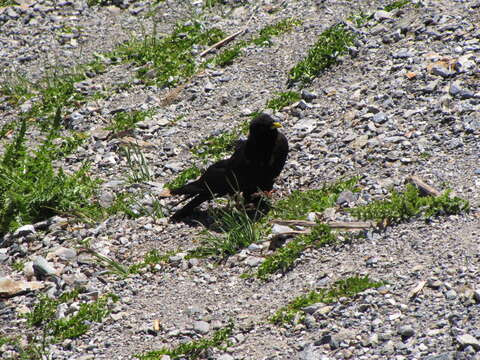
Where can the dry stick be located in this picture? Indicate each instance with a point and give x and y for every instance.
(228, 38)
(223, 42)
(423, 186)
(348, 225)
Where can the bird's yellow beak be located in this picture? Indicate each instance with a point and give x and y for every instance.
(276, 125)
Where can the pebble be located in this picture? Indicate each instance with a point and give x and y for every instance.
(201, 327)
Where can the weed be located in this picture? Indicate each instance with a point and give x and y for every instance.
(17, 88)
(343, 288)
(171, 57)
(404, 206)
(193, 349)
(217, 147)
(396, 5)
(238, 232)
(299, 203)
(152, 258)
(331, 44)
(139, 169)
(360, 19)
(283, 99)
(123, 121)
(43, 315)
(265, 35)
(32, 190)
(425, 155)
(226, 57)
(18, 265)
(264, 38)
(207, 4)
(190, 173)
(283, 259)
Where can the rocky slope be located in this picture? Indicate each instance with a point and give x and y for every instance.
(405, 100)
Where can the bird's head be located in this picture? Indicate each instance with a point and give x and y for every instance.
(264, 124)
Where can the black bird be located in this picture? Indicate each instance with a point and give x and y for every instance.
(253, 166)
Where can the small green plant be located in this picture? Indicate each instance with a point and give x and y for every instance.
(331, 44)
(265, 35)
(396, 5)
(124, 121)
(32, 190)
(360, 19)
(207, 4)
(193, 349)
(171, 58)
(404, 206)
(217, 147)
(4, 3)
(238, 232)
(190, 173)
(264, 38)
(55, 330)
(425, 155)
(343, 288)
(17, 88)
(18, 265)
(226, 57)
(152, 258)
(299, 203)
(283, 99)
(139, 169)
(284, 258)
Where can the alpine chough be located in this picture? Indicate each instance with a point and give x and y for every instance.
(254, 165)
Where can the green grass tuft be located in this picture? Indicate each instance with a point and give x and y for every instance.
(264, 38)
(219, 146)
(43, 316)
(188, 174)
(300, 203)
(31, 189)
(194, 349)
(152, 258)
(396, 5)
(123, 121)
(283, 99)
(331, 44)
(238, 231)
(409, 204)
(343, 288)
(265, 35)
(171, 58)
(283, 259)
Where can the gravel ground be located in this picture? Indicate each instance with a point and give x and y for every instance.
(405, 100)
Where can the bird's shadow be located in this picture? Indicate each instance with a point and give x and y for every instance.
(213, 219)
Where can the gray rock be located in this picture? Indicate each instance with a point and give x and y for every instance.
(382, 15)
(253, 261)
(442, 71)
(280, 229)
(468, 340)
(406, 331)
(201, 327)
(451, 294)
(24, 231)
(42, 267)
(65, 253)
(380, 118)
(225, 357)
(307, 95)
(403, 54)
(346, 197)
